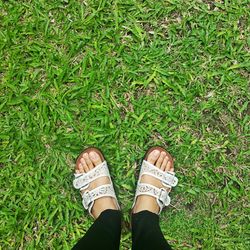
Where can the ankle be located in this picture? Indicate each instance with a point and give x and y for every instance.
(102, 205)
(146, 203)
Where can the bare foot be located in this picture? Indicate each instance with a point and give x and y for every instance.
(86, 162)
(146, 202)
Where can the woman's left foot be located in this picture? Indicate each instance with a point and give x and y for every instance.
(86, 162)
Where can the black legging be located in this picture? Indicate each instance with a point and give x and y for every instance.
(105, 233)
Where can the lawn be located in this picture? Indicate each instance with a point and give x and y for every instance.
(124, 75)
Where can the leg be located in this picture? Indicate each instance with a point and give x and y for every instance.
(93, 180)
(146, 232)
(104, 234)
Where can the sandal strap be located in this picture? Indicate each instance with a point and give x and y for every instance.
(168, 178)
(83, 180)
(88, 197)
(161, 194)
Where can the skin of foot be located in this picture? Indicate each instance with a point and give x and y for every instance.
(145, 202)
(87, 162)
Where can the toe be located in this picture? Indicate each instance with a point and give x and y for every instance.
(153, 156)
(169, 166)
(88, 161)
(95, 158)
(84, 165)
(160, 160)
(164, 163)
(80, 168)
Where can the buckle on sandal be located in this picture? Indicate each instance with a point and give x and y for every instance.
(169, 180)
(163, 197)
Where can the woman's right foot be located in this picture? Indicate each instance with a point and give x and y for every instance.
(161, 160)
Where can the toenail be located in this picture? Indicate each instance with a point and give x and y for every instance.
(156, 152)
(85, 155)
(93, 155)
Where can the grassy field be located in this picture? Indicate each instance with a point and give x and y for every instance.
(124, 75)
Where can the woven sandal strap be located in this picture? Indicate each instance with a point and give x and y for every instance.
(88, 197)
(168, 179)
(83, 180)
(161, 194)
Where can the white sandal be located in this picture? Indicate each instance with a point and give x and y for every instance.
(82, 181)
(168, 180)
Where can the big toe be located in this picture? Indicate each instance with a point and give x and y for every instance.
(95, 158)
(153, 156)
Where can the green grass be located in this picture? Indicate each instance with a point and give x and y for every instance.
(123, 75)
